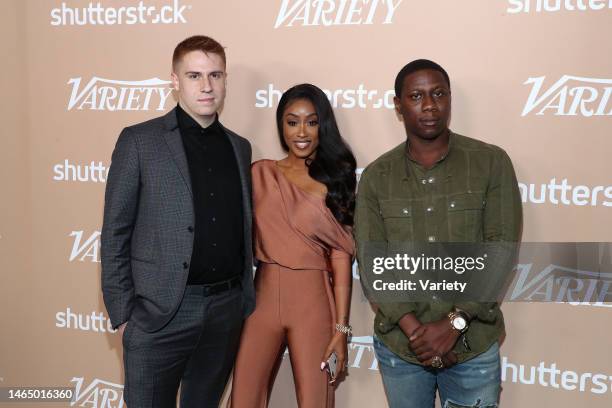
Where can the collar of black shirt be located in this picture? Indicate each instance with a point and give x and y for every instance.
(186, 122)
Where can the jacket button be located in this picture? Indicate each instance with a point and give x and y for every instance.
(190, 228)
(185, 265)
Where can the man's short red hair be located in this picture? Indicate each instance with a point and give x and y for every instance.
(197, 43)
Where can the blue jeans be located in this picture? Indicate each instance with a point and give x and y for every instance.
(473, 383)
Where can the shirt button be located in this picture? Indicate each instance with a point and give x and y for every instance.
(214, 219)
(424, 181)
(212, 194)
(185, 265)
(214, 244)
(431, 238)
(190, 228)
(405, 211)
(452, 204)
(430, 209)
(214, 269)
(431, 180)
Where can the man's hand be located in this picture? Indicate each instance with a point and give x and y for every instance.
(449, 359)
(409, 323)
(434, 339)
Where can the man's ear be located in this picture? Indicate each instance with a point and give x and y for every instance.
(398, 105)
(175, 81)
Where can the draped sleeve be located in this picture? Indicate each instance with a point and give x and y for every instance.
(292, 227)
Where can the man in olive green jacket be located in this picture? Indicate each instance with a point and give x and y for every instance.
(437, 187)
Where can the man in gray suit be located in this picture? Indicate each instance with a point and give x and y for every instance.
(176, 240)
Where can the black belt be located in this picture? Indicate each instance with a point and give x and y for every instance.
(220, 287)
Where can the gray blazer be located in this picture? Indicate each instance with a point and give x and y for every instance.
(148, 209)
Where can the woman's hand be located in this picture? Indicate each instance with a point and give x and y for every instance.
(337, 344)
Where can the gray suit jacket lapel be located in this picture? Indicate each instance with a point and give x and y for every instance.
(175, 144)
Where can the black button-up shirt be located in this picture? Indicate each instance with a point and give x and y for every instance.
(218, 246)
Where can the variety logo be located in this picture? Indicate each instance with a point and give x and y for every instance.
(560, 284)
(570, 96)
(92, 172)
(562, 193)
(538, 6)
(361, 353)
(113, 95)
(359, 97)
(551, 376)
(85, 249)
(97, 14)
(98, 394)
(335, 12)
(96, 321)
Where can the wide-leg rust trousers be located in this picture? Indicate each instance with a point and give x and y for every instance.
(295, 308)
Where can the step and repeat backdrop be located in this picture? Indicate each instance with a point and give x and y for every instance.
(532, 76)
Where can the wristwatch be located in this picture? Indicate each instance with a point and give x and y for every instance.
(458, 321)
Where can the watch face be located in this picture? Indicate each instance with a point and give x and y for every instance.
(459, 323)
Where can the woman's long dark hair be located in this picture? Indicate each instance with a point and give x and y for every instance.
(334, 164)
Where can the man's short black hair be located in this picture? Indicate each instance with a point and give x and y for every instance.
(414, 66)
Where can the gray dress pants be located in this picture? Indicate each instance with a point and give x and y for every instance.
(195, 350)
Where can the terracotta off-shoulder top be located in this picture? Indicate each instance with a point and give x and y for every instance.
(294, 228)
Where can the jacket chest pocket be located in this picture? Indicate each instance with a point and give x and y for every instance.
(465, 216)
(397, 218)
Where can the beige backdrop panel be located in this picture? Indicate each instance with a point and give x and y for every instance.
(16, 297)
(54, 129)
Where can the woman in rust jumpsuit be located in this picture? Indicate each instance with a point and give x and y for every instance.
(303, 212)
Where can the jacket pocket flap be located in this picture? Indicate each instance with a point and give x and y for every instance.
(395, 209)
(467, 201)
